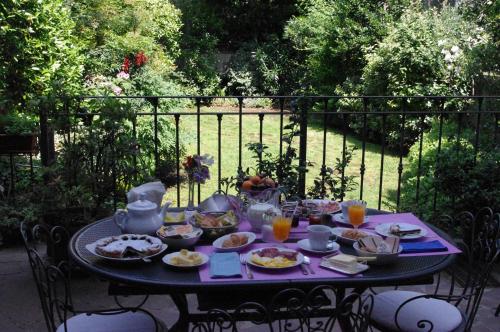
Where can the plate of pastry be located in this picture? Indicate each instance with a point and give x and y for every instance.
(402, 230)
(127, 248)
(185, 259)
(234, 241)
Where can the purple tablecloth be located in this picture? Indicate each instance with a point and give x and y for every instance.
(300, 232)
(264, 274)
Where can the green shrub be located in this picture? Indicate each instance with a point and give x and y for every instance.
(461, 181)
(265, 68)
(39, 52)
(426, 52)
(333, 35)
(200, 35)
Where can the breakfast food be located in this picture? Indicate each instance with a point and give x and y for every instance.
(257, 182)
(209, 220)
(128, 245)
(186, 258)
(354, 234)
(343, 261)
(176, 231)
(173, 217)
(235, 240)
(274, 258)
(396, 229)
(376, 244)
(329, 207)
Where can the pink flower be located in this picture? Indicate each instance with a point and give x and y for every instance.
(123, 75)
(117, 90)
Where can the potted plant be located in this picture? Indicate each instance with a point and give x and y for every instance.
(18, 133)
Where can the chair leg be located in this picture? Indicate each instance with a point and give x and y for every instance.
(497, 312)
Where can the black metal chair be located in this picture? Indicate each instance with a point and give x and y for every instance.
(295, 309)
(53, 286)
(454, 303)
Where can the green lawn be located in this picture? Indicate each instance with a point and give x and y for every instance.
(229, 147)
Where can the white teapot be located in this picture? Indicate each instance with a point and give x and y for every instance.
(258, 213)
(141, 217)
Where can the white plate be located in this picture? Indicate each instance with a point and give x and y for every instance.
(305, 245)
(338, 232)
(358, 269)
(166, 260)
(300, 258)
(383, 229)
(339, 217)
(218, 243)
(91, 247)
(322, 202)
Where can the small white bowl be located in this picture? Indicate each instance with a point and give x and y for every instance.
(218, 243)
(182, 242)
(382, 258)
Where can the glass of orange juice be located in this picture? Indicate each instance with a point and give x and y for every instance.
(281, 228)
(356, 211)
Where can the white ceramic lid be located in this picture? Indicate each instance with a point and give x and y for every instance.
(142, 204)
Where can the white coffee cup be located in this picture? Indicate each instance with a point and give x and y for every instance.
(319, 235)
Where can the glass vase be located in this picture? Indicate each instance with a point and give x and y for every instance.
(190, 205)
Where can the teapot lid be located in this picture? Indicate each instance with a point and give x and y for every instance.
(142, 204)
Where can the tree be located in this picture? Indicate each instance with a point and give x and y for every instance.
(40, 54)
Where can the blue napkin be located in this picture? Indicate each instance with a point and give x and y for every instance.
(225, 265)
(420, 247)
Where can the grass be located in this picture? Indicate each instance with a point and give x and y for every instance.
(271, 126)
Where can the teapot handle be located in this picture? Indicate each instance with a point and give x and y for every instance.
(119, 218)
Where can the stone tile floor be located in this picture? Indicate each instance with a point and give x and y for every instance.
(20, 307)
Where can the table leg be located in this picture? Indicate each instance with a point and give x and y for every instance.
(182, 324)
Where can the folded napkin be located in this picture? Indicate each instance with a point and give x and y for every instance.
(225, 265)
(421, 247)
(154, 192)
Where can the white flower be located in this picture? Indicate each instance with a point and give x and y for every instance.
(441, 42)
(455, 49)
(448, 57)
(449, 67)
(443, 51)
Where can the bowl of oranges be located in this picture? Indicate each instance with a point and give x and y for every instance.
(255, 185)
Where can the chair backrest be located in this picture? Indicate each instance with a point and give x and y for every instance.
(52, 281)
(477, 236)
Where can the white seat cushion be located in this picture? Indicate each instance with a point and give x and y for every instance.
(444, 316)
(128, 321)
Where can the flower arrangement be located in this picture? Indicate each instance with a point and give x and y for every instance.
(197, 169)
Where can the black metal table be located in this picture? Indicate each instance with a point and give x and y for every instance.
(156, 278)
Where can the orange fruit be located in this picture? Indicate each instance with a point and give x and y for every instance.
(255, 179)
(247, 185)
(269, 182)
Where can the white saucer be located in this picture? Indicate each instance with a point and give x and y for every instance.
(305, 245)
(339, 217)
